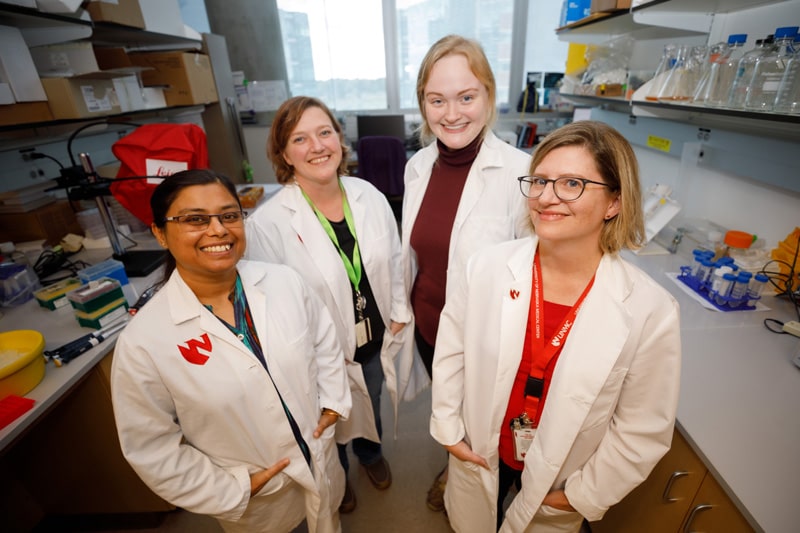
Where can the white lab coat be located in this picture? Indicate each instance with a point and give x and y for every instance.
(610, 409)
(197, 414)
(286, 230)
(491, 210)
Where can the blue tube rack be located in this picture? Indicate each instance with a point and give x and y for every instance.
(704, 289)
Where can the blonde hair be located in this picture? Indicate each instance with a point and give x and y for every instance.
(478, 64)
(616, 162)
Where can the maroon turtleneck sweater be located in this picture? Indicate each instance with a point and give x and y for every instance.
(430, 236)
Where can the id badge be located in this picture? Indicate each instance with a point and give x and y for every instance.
(363, 332)
(523, 438)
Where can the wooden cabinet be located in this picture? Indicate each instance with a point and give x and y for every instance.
(680, 495)
(70, 462)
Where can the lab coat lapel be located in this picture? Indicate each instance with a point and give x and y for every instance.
(476, 182)
(513, 322)
(184, 306)
(595, 343)
(359, 211)
(321, 251)
(418, 184)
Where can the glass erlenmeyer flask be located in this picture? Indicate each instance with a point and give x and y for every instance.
(664, 65)
(679, 84)
(717, 54)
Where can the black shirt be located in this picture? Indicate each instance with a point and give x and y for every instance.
(373, 347)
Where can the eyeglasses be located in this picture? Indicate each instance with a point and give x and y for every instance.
(199, 222)
(566, 189)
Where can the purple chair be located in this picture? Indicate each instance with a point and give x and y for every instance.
(382, 162)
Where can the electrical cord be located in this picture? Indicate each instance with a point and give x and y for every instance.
(39, 155)
(785, 286)
(53, 261)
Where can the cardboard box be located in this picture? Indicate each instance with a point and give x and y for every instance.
(162, 16)
(573, 11)
(50, 222)
(186, 76)
(80, 97)
(17, 68)
(25, 113)
(609, 5)
(124, 12)
(64, 59)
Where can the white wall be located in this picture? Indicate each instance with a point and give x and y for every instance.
(729, 200)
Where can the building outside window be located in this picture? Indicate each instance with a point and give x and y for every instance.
(341, 51)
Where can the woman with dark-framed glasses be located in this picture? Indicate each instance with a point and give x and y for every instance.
(226, 385)
(557, 362)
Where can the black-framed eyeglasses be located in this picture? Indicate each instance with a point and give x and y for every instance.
(566, 189)
(200, 221)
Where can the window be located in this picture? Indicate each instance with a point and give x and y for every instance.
(337, 50)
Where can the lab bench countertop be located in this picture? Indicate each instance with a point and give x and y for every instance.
(59, 327)
(740, 393)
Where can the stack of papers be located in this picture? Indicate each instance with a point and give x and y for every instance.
(26, 199)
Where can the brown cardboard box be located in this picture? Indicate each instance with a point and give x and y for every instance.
(125, 12)
(609, 5)
(24, 112)
(50, 222)
(187, 76)
(81, 98)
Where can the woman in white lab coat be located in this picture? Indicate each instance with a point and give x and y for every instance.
(461, 193)
(340, 234)
(226, 383)
(561, 328)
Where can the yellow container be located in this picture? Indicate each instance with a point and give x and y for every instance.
(21, 361)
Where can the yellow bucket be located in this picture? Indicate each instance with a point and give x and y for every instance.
(21, 361)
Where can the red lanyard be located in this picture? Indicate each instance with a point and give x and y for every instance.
(542, 353)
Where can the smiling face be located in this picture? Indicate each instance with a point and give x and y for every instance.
(579, 222)
(456, 102)
(314, 149)
(209, 253)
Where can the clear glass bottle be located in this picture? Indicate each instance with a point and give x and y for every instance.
(723, 72)
(679, 84)
(769, 71)
(717, 53)
(787, 100)
(744, 73)
(665, 64)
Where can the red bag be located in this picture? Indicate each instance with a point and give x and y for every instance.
(155, 150)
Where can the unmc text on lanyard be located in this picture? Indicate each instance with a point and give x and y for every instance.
(542, 352)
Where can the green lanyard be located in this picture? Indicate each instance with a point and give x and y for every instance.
(353, 267)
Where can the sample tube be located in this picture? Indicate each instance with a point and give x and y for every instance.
(725, 288)
(756, 287)
(739, 289)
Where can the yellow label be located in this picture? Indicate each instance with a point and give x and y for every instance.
(659, 143)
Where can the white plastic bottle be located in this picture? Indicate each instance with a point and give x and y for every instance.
(787, 100)
(723, 72)
(769, 71)
(744, 73)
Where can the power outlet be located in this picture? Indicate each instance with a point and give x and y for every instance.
(792, 327)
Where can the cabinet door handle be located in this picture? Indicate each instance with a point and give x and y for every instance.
(666, 498)
(697, 509)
